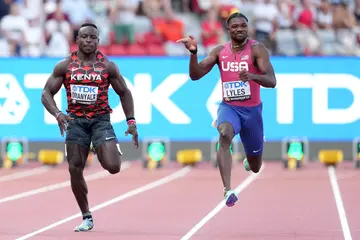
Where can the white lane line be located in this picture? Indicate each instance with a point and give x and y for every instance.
(147, 187)
(243, 185)
(52, 187)
(24, 174)
(339, 203)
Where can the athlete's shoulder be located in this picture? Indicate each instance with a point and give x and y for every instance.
(217, 49)
(258, 48)
(103, 58)
(253, 42)
(62, 65)
(256, 44)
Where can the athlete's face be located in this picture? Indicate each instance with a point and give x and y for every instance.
(238, 29)
(88, 39)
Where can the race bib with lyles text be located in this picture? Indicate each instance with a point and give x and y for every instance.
(236, 91)
(83, 94)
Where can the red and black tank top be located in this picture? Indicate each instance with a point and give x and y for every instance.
(87, 87)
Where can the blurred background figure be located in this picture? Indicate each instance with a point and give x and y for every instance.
(123, 14)
(13, 28)
(150, 27)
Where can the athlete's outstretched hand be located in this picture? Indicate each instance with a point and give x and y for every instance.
(189, 42)
(63, 121)
(132, 130)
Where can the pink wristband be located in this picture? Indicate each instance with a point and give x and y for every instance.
(131, 122)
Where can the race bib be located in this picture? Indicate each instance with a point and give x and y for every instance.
(236, 91)
(83, 94)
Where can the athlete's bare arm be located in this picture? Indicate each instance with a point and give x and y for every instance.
(53, 85)
(262, 61)
(118, 83)
(199, 69)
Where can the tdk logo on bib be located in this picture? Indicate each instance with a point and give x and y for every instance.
(83, 94)
(84, 89)
(235, 84)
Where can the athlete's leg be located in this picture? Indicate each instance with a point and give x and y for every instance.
(252, 137)
(224, 158)
(77, 150)
(228, 125)
(77, 155)
(105, 143)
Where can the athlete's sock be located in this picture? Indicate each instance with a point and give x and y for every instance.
(87, 216)
(226, 190)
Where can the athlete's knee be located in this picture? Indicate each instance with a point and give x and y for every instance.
(113, 168)
(109, 157)
(255, 163)
(226, 134)
(76, 169)
(256, 168)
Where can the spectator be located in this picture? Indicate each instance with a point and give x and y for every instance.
(305, 22)
(78, 12)
(152, 8)
(227, 7)
(305, 15)
(4, 7)
(357, 11)
(52, 25)
(185, 5)
(58, 34)
(32, 11)
(324, 16)
(342, 17)
(169, 28)
(285, 9)
(202, 6)
(102, 11)
(124, 16)
(13, 27)
(211, 29)
(265, 16)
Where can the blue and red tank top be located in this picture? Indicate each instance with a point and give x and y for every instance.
(87, 87)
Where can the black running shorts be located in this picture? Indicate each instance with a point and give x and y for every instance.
(97, 130)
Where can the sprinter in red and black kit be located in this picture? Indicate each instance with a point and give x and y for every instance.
(86, 75)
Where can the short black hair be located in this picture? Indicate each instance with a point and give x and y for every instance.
(236, 15)
(89, 25)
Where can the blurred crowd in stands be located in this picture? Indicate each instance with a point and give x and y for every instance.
(150, 27)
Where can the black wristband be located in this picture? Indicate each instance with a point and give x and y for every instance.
(130, 118)
(193, 51)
